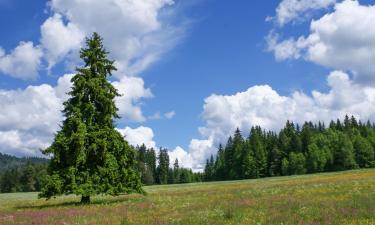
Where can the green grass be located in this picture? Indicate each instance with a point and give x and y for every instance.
(329, 198)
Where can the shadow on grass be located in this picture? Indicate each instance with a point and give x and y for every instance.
(105, 201)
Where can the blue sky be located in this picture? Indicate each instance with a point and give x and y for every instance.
(216, 65)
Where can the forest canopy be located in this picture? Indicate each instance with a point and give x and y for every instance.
(342, 145)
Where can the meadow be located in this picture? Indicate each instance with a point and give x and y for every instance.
(328, 198)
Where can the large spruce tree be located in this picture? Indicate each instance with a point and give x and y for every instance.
(89, 156)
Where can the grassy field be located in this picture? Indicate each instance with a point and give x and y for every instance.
(329, 198)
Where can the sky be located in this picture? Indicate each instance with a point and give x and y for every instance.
(190, 71)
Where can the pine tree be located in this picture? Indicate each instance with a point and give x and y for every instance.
(237, 154)
(364, 152)
(163, 168)
(229, 159)
(176, 172)
(316, 159)
(275, 162)
(27, 178)
(284, 166)
(259, 151)
(344, 153)
(10, 181)
(297, 163)
(142, 153)
(89, 156)
(306, 135)
(249, 166)
(207, 171)
(219, 173)
(151, 162)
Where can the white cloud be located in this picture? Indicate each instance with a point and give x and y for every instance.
(289, 48)
(22, 62)
(136, 33)
(184, 159)
(342, 40)
(156, 116)
(170, 115)
(297, 10)
(139, 136)
(132, 90)
(29, 117)
(59, 39)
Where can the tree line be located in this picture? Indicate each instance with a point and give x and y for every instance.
(26, 177)
(155, 169)
(343, 145)
(28, 174)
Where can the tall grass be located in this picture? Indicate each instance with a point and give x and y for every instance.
(329, 198)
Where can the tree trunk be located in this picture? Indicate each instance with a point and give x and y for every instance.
(85, 199)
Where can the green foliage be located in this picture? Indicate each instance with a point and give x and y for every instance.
(364, 152)
(343, 153)
(23, 178)
(89, 156)
(285, 166)
(10, 181)
(258, 151)
(250, 166)
(316, 158)
(297, 163)
(27, 179)
(163, 167)
(314, 148)
(146, 164)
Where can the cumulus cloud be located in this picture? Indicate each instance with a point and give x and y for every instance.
(132, 90)
(59, 39)
(342, 40)
(297, 10)
(290, 48)
(22, 62)
(184, 158)
(136, 33)
(139, 136)
(30, 116)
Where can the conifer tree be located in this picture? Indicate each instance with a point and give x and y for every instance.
(275, 162)
(297, 163)
(151, 162)
(27, 178)
(237, 154)
(316, 158)
(219, 172)
(344, 153)
(176, 172)
(259, 152)
(364, 152)
(163, 168)
(249, 165)
(89, 156)
(229, 159)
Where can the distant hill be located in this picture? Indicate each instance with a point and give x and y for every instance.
(8, 161)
